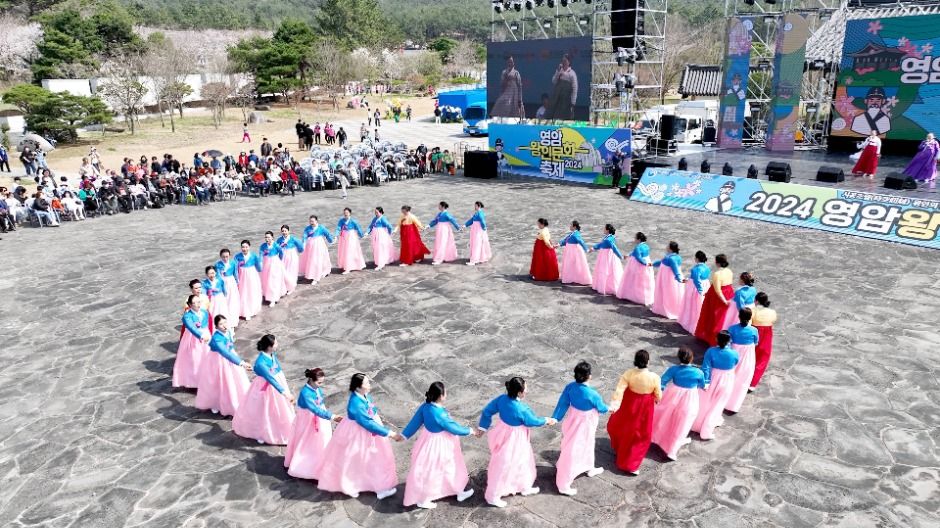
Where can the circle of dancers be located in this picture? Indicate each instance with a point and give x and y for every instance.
(357, 456)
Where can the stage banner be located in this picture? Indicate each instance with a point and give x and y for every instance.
(735, 70)
(789, 59)
(889, 79)
(900, 219)
(559, 152)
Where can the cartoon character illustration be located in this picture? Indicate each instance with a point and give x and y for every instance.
(874, 117)
(721, 203)
(736, 89)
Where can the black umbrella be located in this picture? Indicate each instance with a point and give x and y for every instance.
(214, 153)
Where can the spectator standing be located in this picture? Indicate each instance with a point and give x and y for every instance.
(377, 116)
(28, 159)
(363, 133)
(408, 113)
(246, 137)
(266, 148)
(316, 133)
(4, 159)
(299, 128)
(437, 115)
(341, 137)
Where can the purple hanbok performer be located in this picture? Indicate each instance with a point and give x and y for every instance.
(924, 165)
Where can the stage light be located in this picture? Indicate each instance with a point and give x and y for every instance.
(514, 26)
(623, 82)
(770, 2)
(727, 170)
(752, 172)
(517, 5)
(564, 3)
(539, 3)
(529, 5)
(706, 167)
(683, 164)
(498, 6)
(551, 3)
(749, 2)
(626, 55)
(587, 1)
(584, 21)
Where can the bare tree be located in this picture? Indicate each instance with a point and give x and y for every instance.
(18, 40)
(218, 94)
(332, 68)
(689, 45)
(167, 67)
(463, 60)
(123, 89)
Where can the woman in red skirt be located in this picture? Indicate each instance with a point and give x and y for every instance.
(867, 164)
(544, 265)
(763, 320)
(412, 247)
(715, 305)
(631, 426)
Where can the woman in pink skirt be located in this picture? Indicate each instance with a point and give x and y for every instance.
(291, 249)
(480, 251)
(349, 253)
(227, 269)
(312, 431)
(223, 380)
(637, 285)
(667, 295)
(214, 287)
(316, 255)
(272, 269)
(249, 281)
(445, 247)
(193, 347)
(574, 264)
(743, 297)
(695, 287)
(718, 368)
(676, 413)
(383, 249)
(578, 409)
(608, 271)
(744, 340)
(359, 457)
(437, 466)
(512, 462)
(267, 412)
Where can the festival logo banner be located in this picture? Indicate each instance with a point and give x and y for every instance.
(789, 60)
(900, 219)
(559, 152)
(889, 79)
(735, 69)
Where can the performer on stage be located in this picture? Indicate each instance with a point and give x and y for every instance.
(718, 369)
(743, 298)
(445, 247)
(249, 281)
(267, 412)
(193, 347)
(679, 408)
(695, 288)
(349, 253)
(412, 247)
(223, 380)
(214, 288)
(763, 319)
(316, 254)
(380, 230)
(716, 303)
(291, 249)
(437, 467)
(867, 164)
(608, 270)
(744, 339)
(544, 266)
(631, 425)
(312, 430)
(574, 264)
(272, 269)
(512, 463)
(480, 251)
(509, 102)
(359, 457)
(638, 284)
(578, 429)
(667, 297)
(924, 165)
(227, 269)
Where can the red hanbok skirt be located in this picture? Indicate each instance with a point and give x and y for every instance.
(412, 247)
(544, 265)
(631, 429)
(763, 350)
(712, 317)
(868, 162)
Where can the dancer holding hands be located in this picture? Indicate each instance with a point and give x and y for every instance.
(667, 296)
(677, 412)
(349, 253)
(272, 269)
(608, 270)
(227, 269)
(223, 380)
(445, 245)
(266, 414)
(631, 425)
(637, 285)
(316, 255)
(578, 409)
(695, 287)
(291, 250)
(312, 431)
(574, 264)
(544, 266)
(249, 281)
(480, 251)
(412, 247)
(718, 369)
(380, 231)
(193, 346)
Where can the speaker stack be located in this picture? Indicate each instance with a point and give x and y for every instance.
(626, 22)
(830, 175)
(900, 182)
(637, 168)
(480, 164)
(778, 171)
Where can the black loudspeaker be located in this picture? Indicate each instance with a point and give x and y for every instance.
(637, 168)
(898, 182)
(778, 171)
(667, 127)
(480, 164)
(706, 167)
(709, 135)
(830, 175)
(683, 164)
(727, 170)
(623, 24)
(752, 172)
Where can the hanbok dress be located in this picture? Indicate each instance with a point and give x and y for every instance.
(638, 284)
(744, 340)
(678, 409)
(578, 410)
(311, 434)
(228, 271)
(349, 252)
(266, 414)
(223, 383)
(574, 264)
(272, 272)
(712, 317)
(291, 250)
(718, 369)
(512, 462)
(249, 284)
(695, 288)
(924, 165)
(316, 256)
(437, 466)
(763, 319)
(192, 350)
(667, 295)
(480, 251)
(412, 247)
(383, 249)
(630, 427)
(868, 162)
(608, 270)
(445, 245)
(544, 266)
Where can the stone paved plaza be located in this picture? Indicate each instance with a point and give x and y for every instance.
(843, 432)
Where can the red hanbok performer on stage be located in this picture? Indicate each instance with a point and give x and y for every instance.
(867, 164)
(715, 306)
(763, 319)
(412, 247)
(544, 265)
(631, 425)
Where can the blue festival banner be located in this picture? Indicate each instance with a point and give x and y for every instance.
(913, 221)
(559, 152)
(736, 68)
(789, 60)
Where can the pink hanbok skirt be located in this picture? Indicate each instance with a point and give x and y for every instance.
(445, 247)
(637, 285)
(574, 266)
(674, 417)
(356, 460)
(437, 468)
(480, 251)
(317, 259)
(249, 291)
(264, 413)
(691, 307)
(578, 430)
(190, 354)
(667, 295)
(308, 441)
(743, 373)
(348, 253)
(222, 385)
(512, 462)
(291, 270)
(218, 305)
(732, 315)
(272, 279)
(383, 249)
(232, 297)
(712, 403)
(608, 273)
